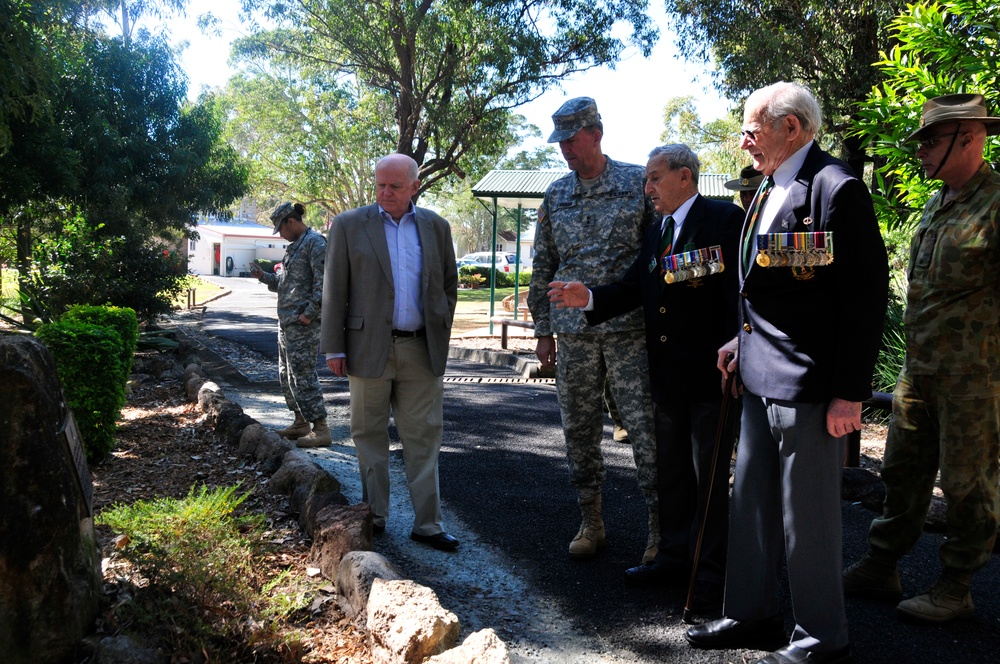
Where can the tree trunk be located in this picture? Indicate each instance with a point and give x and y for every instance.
(23, 242)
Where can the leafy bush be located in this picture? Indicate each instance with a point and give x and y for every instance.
(503, 279)
(88, 361)
(198, 558)
(83, 265)
(122, 319)
(893, 350)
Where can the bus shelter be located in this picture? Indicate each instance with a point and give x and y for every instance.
(511, 191)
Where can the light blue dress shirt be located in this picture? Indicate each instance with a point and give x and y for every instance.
(406, 257)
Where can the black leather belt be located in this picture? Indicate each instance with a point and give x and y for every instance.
(408, 333)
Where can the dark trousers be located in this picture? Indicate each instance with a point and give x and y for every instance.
(685, 437)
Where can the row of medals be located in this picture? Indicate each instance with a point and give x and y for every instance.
(693, 271)
(793, 258)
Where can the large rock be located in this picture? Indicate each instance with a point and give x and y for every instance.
(50, 577)
(407, 624)
(358, 571)
(299, 469)
(340, 529)
(482, 647)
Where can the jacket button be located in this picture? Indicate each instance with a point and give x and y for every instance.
(747, 328)
(663, 338)
(663, 310)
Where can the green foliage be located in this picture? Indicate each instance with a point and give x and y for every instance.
(451, 70)
(88, 361)
(122, 319)
(829, 45)
(471, 221)
(715, 142)
(502, 279)
(78, 264)
(198, 556)
(893, 350)
(941, 48)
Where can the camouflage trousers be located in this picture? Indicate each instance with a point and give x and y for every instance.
(298, 348)
(951, 424)
(583, 362)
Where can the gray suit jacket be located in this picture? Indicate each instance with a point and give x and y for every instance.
(358, 291)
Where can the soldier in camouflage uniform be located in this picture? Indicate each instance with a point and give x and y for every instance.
(300, 295)
(946, 405)
(589, 229)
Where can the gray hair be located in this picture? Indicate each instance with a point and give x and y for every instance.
(677, 155)
(781, 99)
(412, 168)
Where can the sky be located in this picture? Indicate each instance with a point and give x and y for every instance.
(630, 98)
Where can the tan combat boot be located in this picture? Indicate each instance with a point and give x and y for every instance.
(947, 599)
(296, 429)
(620, 434)
(874, 577)
(653, 538)
(318, 437)
(591, 534)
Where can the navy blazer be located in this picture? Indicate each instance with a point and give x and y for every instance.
(687, 321)
(812, 334)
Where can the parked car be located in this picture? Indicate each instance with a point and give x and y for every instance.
(464, 261)
(505, 261)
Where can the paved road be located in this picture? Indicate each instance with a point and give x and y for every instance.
(504, 482)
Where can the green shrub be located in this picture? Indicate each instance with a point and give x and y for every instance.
(198, 557)
(503, 279)
(121, 319)
(88, 361)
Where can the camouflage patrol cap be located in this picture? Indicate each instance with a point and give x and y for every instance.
(574, 115)
(280, 214)
(749, 180)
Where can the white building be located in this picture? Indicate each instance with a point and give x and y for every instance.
(226, 249)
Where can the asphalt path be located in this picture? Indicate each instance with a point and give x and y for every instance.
(504, 482)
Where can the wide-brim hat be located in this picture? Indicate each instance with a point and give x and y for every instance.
(955, 108)
(280, 214)
(749, 180)
(573, 116)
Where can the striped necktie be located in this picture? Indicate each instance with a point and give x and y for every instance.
(666, 238)
(751, 236)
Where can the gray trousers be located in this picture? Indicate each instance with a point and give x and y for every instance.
(786, 500)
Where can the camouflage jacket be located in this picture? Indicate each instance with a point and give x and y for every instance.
(300, 285)
(952, 318)
(591, 236)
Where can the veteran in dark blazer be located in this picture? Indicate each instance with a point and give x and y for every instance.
(388, 304)
(813, 291)
(686, 321)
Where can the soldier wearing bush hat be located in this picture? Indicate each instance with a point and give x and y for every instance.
(747, 184)
(948, 403)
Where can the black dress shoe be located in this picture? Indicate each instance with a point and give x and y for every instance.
(656, 574)
(792, 655)
(728, 633)
(440, 541)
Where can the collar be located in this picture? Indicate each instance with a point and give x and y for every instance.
(412, 211)
(788, 169)
(681, 213)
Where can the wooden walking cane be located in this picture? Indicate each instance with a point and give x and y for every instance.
(687, 616)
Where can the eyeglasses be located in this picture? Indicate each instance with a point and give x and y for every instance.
(752, 134)
(930, 143)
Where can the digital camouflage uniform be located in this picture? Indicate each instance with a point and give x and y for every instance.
(946, 405)
(593, 236)
(300, 291)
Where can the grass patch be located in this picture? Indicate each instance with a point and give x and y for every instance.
(203, 290)
(195, 584)
(483, 294)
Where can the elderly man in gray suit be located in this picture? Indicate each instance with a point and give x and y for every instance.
(388, 301)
